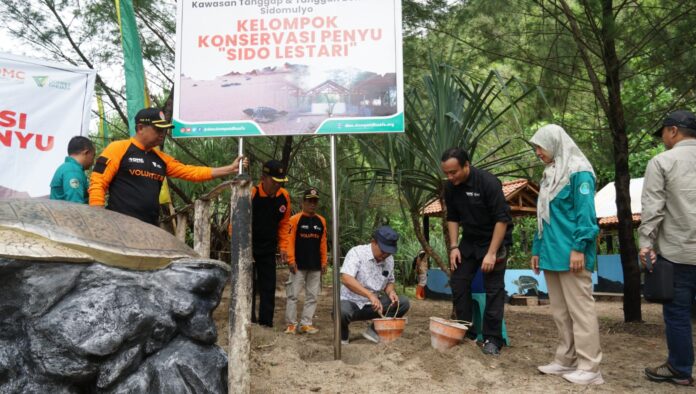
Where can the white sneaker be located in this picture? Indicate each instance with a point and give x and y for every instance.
(344, 341)
(584, 377)
(555, 368)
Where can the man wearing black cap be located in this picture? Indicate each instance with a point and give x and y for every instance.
(270, 231)
(367, 278)
(667, 235)
(307, 261)
(132, 171)
(476, 203)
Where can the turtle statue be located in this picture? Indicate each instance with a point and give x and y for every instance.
(524, 283)
(264, 114)
(48, 230)
(96, 301)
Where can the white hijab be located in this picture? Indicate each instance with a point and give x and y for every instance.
(567, 160)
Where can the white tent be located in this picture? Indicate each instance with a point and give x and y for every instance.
(605, 199)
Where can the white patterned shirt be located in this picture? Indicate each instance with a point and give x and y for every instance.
(360, 263)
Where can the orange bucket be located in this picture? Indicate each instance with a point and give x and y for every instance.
(445, 334)
(389, 328)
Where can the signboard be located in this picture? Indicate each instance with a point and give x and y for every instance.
(42, 106)
(288, 67)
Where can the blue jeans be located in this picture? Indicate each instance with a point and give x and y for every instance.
(677, 315)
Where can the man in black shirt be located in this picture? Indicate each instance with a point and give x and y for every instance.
(475, 199)
(270, 233)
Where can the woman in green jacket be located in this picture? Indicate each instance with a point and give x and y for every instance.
(565, 249)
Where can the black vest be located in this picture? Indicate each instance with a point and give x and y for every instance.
(134, 190)
(307, 243)
(267, 212)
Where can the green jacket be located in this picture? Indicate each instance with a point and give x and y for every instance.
(70, 183)
(573, 226)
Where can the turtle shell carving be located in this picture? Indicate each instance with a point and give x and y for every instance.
(47, 230)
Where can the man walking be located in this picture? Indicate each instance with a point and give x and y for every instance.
(475, 199)
(270, 232)
(307, 262)
(69, 182)
(667, 235)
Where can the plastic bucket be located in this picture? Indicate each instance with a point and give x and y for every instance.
(445, 334)
(389, 328)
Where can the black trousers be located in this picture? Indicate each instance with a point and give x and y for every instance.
(494, 283)
(264, 286)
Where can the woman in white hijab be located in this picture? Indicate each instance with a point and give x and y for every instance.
(565, 249)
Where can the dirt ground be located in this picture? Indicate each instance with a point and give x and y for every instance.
(283, 363)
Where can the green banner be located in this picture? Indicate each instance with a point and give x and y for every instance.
(391, 124)
(137, 96)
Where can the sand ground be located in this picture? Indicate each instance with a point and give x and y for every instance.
(283, 363)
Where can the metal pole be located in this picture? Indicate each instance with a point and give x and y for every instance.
(335, 255)
(241, 153)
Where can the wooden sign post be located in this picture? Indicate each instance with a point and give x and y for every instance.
(239, 338)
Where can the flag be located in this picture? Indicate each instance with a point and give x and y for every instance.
(137, 96)
(103, 126)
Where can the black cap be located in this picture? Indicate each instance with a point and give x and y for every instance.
(275, 170)
(386, 238)
(312, 192)
(680, 118)
(152, 117)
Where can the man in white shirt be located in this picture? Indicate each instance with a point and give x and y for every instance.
(367, 278)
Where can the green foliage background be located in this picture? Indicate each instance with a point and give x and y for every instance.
(523, 44)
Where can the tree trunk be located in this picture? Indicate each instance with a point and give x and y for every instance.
(181, 224)
(424, 243)
(201, 228)
(622, 178)
(613, 109)
(239, 338)
(445, 232)
(287, 151)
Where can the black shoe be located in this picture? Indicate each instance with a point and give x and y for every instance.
(472, 336)
(490, 348)
(665, 373)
